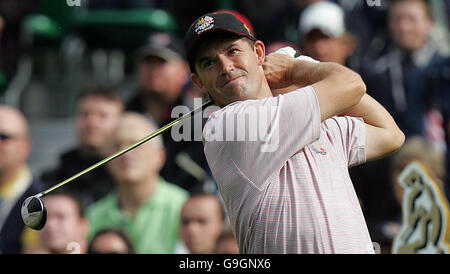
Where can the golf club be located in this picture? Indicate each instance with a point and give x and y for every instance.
(34, 212)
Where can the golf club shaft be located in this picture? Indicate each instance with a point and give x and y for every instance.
(117, 154)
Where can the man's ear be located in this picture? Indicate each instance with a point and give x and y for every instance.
(196, 80)
(260, 50)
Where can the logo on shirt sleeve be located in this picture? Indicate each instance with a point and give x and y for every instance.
(319, 150)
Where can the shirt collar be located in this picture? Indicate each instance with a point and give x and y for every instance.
(17, 185)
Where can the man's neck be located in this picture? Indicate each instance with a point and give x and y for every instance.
(134, 194)
(9, 174)
(264, 92)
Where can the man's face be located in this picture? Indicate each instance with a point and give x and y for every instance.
(64, 224)
(201, 224)
(97, 119)
(162, 78)
(230, 69)
(109, 243)
(409, 25)
(14, 141)
(326, 49)
(140, 163)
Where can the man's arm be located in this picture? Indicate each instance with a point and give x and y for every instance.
(383, 136)
(337, 87)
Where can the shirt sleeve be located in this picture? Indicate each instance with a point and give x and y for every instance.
(349, 136)
(259, 136)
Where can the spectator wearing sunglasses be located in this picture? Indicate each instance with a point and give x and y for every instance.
(16, 180)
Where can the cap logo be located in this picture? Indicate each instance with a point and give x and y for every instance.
(205, 23)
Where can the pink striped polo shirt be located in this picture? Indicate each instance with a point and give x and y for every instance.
(295, 195)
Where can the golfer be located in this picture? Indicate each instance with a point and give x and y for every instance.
(298, 197)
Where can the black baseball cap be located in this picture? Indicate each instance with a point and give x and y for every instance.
(162, 45)
(209, 23)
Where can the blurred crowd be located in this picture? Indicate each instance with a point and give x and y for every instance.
(118, 67)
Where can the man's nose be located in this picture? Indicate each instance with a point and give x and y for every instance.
(226, 64)
(192, 228)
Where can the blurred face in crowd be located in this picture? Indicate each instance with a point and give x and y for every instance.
(143, 162)
(328, 49)
(163, 78)
(409, 24)
(109, 243)
(201, 223)
(14, 141)
(227, 245)
(97, 120)
(64, 224)
(230, 68)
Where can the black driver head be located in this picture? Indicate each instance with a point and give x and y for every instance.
(34, 213)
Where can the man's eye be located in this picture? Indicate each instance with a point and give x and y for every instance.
(233, 51)
(207, 63)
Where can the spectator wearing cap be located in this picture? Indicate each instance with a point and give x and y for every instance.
(323, 33)
(163, 82)
(162, 73)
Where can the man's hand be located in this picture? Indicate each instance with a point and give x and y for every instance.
(278, 70)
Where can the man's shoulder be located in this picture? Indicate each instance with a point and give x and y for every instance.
(100, 207)
(171, 190)
(235, 108)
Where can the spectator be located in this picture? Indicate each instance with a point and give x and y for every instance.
(163, 75)
(398, 81)
(143, 204)
(326, 40)
(67, 227)
(16, 180)
(226, 243)
(202, 221)
(397, 78)
(111, 241)
(99, 109)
